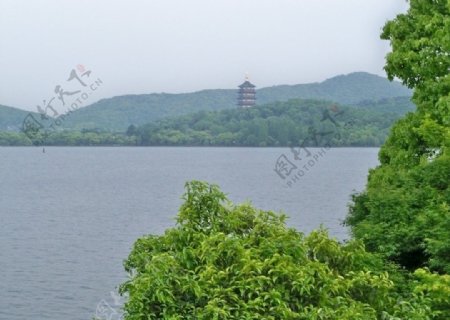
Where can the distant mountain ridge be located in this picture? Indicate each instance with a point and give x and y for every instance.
(117, 113)
(346, 89)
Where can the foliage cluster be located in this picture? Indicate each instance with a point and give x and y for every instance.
(225, 261)
(404, 212)
(66, 138)
(277, 124)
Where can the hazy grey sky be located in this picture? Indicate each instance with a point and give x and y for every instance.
(138, 46)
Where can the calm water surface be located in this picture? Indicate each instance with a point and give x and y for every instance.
(68, 217)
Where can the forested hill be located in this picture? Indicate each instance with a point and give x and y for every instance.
(117, 113)
(11, 118)
(291, 123)
(398, 105)
(346, 89)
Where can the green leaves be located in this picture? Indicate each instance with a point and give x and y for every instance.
(420, 44)
(225, 261)
(435, 288)
(404, 213)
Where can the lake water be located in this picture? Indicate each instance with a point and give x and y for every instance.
(69, 216)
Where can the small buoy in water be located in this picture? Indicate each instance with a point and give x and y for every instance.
(43, 150)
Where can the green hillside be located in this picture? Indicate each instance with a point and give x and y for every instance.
(291, 123)
(398, 105)
(116, 114)
(346, 89)
(11, 118)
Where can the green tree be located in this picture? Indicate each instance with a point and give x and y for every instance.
(132, 130)
(404, 212)
(225, 261)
